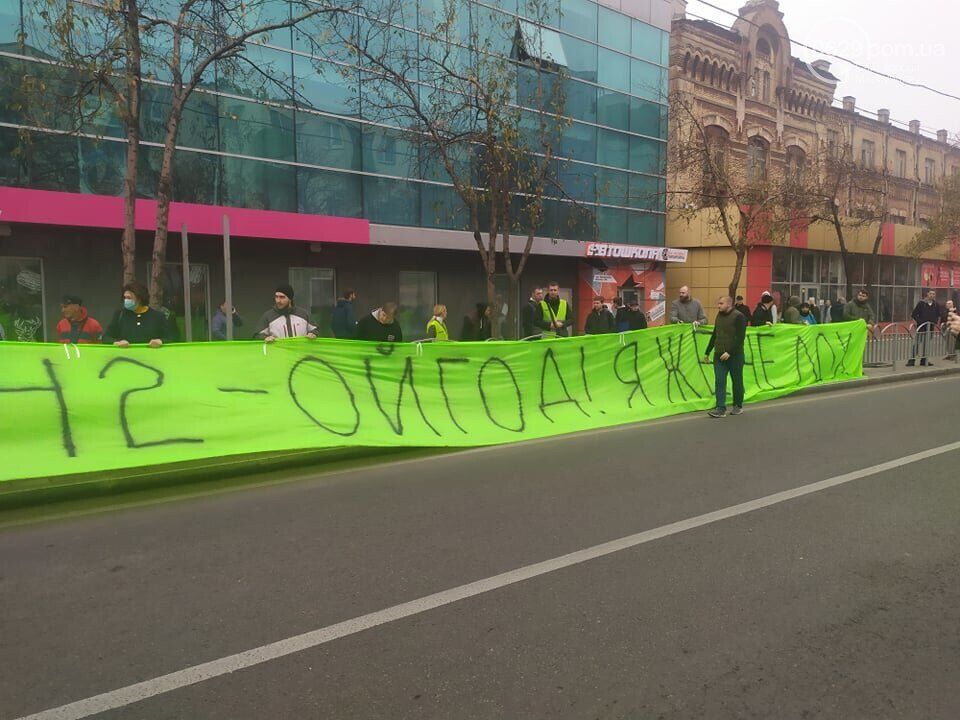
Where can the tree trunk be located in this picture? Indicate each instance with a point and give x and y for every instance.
(128, 243)
(492, 302)
(164, 190)
(737, 272)
(844, 255)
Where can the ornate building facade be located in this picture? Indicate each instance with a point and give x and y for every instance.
(767, 107)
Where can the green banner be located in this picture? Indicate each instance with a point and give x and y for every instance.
(73, 409)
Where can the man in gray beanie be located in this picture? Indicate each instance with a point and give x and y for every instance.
(284, 319)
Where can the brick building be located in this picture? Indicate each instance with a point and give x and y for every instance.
(767, 106)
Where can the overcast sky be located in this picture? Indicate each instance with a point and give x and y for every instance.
(916, 40)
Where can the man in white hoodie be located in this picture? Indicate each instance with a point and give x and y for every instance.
(284, 319)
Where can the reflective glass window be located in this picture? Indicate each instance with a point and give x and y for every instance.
(613, 187)
(648, 81)
(646, 41)
(580, 101)
(328, 141)
(325, 86)
(613, 148)
(646, 117)
(258, 185)
(614, 30)
(646, 156)
(611, 225)
(391, 202)
(613, 109)
(643, 229)
(579, 142)
(613, 70)
(323, 192)
(255, 129)
(579, 17)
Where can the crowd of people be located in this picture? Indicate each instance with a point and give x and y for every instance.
(733, 316)
(544, 315)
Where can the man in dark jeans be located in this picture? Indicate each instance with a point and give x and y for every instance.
(726, 342)
(926, 315)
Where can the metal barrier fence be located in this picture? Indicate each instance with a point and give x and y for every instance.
(898, 343)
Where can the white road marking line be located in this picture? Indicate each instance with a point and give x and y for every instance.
(281, 648)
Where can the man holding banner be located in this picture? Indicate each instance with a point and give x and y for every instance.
(726, 342)
(284, 319)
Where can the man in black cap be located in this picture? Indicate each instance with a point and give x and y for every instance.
(284, 319)
(77, 326)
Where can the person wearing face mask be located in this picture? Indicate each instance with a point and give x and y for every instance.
(137, 322)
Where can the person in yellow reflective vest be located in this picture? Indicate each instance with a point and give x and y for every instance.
(556, 317)
(437, 327)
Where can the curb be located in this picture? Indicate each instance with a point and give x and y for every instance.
(893, 377)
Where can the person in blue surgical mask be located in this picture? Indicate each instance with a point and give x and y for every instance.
(137, 322)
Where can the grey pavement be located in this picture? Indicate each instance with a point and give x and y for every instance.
(844, 603)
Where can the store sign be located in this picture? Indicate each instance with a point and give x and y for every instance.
(635, 252)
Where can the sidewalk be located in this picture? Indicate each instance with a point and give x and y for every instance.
(883, 375)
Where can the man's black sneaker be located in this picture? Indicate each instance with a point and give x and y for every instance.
(717, 413)
(736, 410)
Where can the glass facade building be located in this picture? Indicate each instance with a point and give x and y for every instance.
(305, 142)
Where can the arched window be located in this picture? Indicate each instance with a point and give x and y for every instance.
(763, 49)
(796, 160)
(766, 86)
(715, 162)
(756, 159)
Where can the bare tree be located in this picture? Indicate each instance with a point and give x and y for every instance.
(89, 62)
(112, 50)
(480, 96)
(851, 196)
(748, 203)
(945, 225)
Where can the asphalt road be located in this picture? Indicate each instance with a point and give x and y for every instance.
(840, 603)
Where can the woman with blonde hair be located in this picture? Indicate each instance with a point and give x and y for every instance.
(437, 327)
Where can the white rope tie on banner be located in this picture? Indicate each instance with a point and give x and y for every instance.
(66, 351)
(623, 340)
(419, 349)
(77, 348)
(264, 348)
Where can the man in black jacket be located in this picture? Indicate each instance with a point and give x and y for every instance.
(381, 325)
(729, 333)
(530, 313)
(600, 320)
(634, 317)
(926, 315)
(741, 307)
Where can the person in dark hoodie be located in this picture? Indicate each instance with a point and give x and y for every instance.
(530, 313)
(344, 320)
(741, 307)
(792, 314)
(477, 325)
(765, 312)
(137, 322)
(836, 310)
(635, 318)
(381, 325)
(600, 320)
(284, 319)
